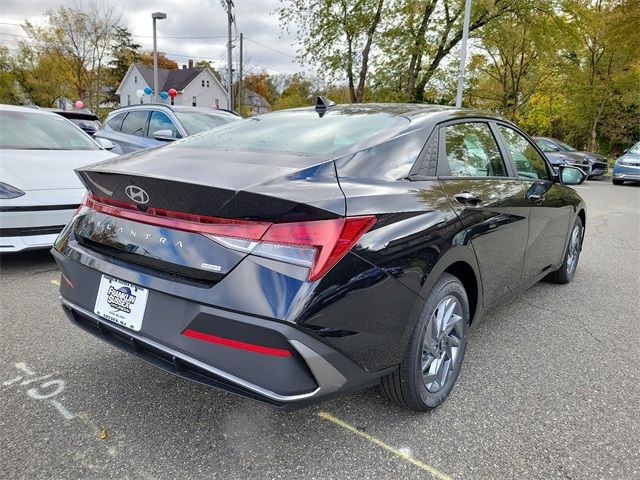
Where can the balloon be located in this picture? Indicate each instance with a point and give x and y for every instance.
(164, 95)
(139, 93)
(79, 104)
(148, 90)
(172, 92)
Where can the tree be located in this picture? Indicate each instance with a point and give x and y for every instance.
(263, 85)
(8, 91)
(603, 75)
(338, 35)
(80, 36)
(297, 92)
(163, 62)
(123, 51)
(44, 78)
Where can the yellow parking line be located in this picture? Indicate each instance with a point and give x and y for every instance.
(398, 453)
(56, 282)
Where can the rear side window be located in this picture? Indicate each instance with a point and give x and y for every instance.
(472, 151)
(528, 162)
(135, 123)
(161, 121)
(115, 122)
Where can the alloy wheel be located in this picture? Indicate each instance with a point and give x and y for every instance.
(442, 341)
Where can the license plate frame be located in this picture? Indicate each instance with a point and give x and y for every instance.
(121, 302)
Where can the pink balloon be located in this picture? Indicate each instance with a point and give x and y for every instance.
(79, 104)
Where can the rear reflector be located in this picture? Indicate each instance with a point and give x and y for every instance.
(277, 352)
(317, 244)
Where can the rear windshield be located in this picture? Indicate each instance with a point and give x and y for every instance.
(37, 131)
(300, 132)
(196, 122)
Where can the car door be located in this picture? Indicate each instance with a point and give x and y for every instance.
(482, 189)
(133, 135)
(161, 121)
(550, 210)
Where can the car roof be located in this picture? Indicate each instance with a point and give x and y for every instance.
(19, 108)
(419, 115)
(172, 108)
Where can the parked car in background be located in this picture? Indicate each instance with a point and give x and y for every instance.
(301, 254)
(85, 119)
(39, 189)
(560, 153)
(627, 167)
(144, 126)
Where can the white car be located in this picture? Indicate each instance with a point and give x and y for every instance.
(39, 189)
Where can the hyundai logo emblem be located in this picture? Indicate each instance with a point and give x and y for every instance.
(137, 194)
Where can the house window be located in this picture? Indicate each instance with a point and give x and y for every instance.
(128, 99)
(207, 83)
(203, 83)
(193, 102)
(135, 79)
(217, 103)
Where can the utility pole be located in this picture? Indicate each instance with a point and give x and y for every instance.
(240, 95)
(463, 52)
(229, 59)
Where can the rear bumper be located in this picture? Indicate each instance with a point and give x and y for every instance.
(314, 371)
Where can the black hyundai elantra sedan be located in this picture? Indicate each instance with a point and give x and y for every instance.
(307, 253)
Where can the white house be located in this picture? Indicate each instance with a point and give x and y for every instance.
(197, 87)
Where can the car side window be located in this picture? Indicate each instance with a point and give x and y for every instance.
(161, 121)
(472, 151)
(115, 123)
(135, 123)
(528, 162)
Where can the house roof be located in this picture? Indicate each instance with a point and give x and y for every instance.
(176, 78)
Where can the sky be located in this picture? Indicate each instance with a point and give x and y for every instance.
(267, 47)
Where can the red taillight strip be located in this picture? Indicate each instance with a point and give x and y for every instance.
(179, 221)
(277, 352)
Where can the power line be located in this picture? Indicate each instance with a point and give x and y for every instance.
(270, 48)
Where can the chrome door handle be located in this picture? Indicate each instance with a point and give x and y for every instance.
(467, 197)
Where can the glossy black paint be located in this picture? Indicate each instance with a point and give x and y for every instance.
(364, 309)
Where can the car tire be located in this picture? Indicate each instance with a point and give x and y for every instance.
(432, 362)
(571, 256)
(617, 182)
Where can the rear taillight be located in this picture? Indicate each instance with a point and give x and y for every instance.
(317, 244)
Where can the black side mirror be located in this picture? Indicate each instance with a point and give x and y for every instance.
(570, 175)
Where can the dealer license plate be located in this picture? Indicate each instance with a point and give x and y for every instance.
(121, 302)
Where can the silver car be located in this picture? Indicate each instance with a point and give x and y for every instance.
(144, 126)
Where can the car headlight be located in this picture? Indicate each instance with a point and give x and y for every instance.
(7, 191)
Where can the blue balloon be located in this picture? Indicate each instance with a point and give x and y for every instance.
(148, 90)
(164, 95)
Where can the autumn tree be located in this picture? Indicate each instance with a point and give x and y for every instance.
(163, 62)
(79, 35)
(8, 92)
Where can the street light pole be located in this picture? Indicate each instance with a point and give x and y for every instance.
(156, 16)
(463, 52)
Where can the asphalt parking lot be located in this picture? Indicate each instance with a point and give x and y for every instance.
(550, 388)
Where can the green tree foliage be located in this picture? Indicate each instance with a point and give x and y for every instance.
(123, 52)
(337, 35)
(297, 92)
(8, 91)
(79, 36)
